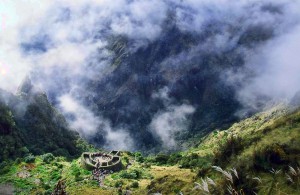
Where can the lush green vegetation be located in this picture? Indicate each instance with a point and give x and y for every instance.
(10, 138)
(30, 125)
(257, 155)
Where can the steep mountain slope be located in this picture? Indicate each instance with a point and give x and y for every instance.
(248, 157)
(178, 63)
(29, 124)
(10, 138)
(127, 72)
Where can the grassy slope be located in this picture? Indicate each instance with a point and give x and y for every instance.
(253, 146)
(265, 141)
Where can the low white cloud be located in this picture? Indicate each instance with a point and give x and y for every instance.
(14, 15)
(162, 94)
(87, 124)
(66, 32)
(167, 123)
(84, 121)
(276, 67)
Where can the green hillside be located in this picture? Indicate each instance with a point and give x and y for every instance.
(29, 124)
(259, 155)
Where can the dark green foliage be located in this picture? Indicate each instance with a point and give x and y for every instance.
(174, 158)
(126, 159)
(162, 159)
(194, 161)
(4, 167)
(47, 158)
(29, 158)
(135, 184)
(82, 145)
(10, 138)
(46, 129)
(230, 147)
(131, 174)
(6, 120)
(165, 159)
(75, 170)
(119, 183)
(139, 157)
(55, 175)
(29, 124)
(48, 192)
(270, 157)
(46, 186)
(24, 151)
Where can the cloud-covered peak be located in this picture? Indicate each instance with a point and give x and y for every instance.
(134, 65)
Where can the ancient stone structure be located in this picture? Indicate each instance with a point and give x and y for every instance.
(100, 160)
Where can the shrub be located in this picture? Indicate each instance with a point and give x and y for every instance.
(4, 167)
(146, 165)
(24, 151)
(232, 146)
(55, 175)
(135, 184)
(162, 159)
(195, 161)
(48, 192)
(75, 170)
(174, 158)
(47, 158)
(118, 184)
(61, 152)
(270, 156)
(126, 159)
(29, 158)
(139, 157)
(18, 160)
(132, 174)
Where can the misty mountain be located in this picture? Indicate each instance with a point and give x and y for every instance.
(125, 95)
(29, 124)
(150, 75)
(177, 63)
(190, 97)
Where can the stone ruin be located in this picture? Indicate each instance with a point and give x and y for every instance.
(101, 160)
